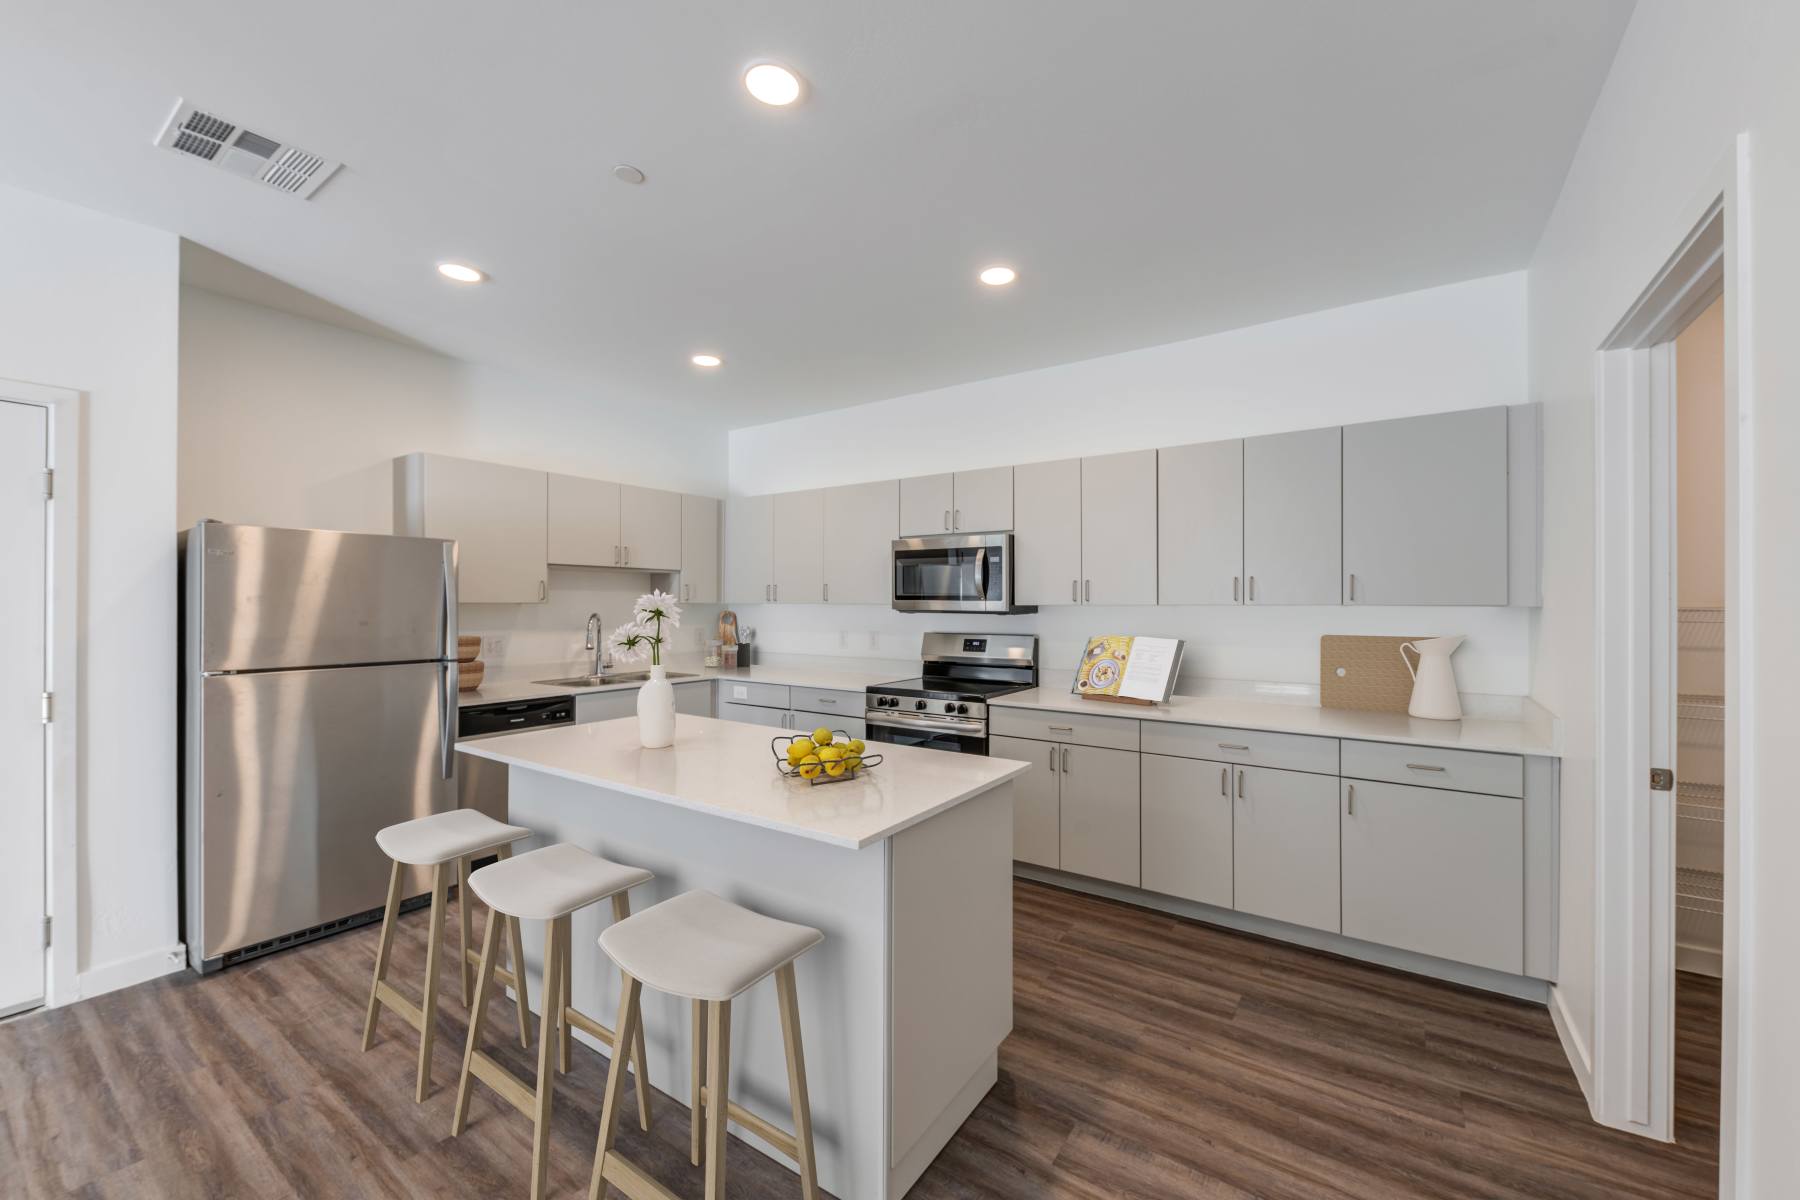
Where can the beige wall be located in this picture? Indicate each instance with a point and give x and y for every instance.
(1700, 459)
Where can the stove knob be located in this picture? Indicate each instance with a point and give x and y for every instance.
(963, 709)
(950, 708)
(919, 704)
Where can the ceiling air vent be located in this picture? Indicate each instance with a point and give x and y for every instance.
(200, 134)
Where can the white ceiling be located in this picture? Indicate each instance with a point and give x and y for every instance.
(1156, 171)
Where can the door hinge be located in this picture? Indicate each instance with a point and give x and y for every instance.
(46, 933)
(49, 483)
(1662, 779)
(49, 705)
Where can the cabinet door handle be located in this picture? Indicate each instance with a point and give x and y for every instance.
(1053, 760)
(1065, 757)
(776, 589)
(1060, 728)
(1225, 782)
(946, 518)
(1240, 776)
(1232, 746)
(540, 589)
(628, 556)
(1253, 589)
(1350, 799)
(1237, 582)
(956, 518)
(1423, 767)
(1074, 591)
(1353, 587)
(615, 556)
(825, 589)
(1087, 591)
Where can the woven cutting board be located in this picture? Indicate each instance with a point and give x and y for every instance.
(1374, 679)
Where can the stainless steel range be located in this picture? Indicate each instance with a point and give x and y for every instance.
(946, 707)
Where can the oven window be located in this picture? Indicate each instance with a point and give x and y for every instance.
(956, 743)
(962, 573)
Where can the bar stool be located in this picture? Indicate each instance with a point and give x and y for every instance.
(546, 885)
(710, 951)
(437, 841)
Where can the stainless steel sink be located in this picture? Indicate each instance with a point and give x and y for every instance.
(582, 681)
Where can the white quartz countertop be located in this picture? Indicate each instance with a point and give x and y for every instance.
(725, 768)
(1507, 736)
(522, 683)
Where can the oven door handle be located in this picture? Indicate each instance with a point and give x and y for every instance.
(961, 725)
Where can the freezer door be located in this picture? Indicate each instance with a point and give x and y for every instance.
(276, 598)
(297, 770)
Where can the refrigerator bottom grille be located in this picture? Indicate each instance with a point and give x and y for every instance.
(313, 934)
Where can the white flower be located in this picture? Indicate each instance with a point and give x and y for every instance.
(657, 604)
(630, 643)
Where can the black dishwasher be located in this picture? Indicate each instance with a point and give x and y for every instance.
(481, 782)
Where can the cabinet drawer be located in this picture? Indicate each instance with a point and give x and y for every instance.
(824, 700)
(1288, 751)
(1428, 766)
(766, 695)
(753, 714)
(1080, 729)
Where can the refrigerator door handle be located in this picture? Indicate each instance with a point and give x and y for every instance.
(447, 614)
(447, 717)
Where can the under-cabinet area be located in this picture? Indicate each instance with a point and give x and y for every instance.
(1444, 859)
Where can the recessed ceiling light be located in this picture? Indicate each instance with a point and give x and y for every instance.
(998, 276)
(772, 84)
(626, 173)
(706, 360)
(460, 272)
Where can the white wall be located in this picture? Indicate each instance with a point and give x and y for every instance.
(1687, 80)
(88, 302)
(1461, 346)
(290, 421)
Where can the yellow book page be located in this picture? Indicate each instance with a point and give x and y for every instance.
(1102, 667)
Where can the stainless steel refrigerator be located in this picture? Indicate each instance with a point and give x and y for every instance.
(319, 677)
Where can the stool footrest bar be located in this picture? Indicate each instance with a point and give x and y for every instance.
(503, 1081)
(776, 1136)
(405, 1009)
(619, 1172)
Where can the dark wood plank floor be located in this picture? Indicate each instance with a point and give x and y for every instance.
(1152, 1057)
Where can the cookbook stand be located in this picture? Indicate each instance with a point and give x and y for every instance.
(1128, 670)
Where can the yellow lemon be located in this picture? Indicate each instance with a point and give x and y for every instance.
(852, 761)
(830, 753)
(834, 768)
(796, 753)
(856, 745)
(801, 743)
(809, 766)
(822, 736)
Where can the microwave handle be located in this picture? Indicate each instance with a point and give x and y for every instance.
(981, 573)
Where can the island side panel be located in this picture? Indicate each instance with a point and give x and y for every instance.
(950, 972)
(842, 982)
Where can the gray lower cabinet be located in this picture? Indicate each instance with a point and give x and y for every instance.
(1425, 509)
(753, 714)
(1435, 871)
(1186, 828)
(693, 698)
(1099, 813)
(1037, 835)
(1285, 846)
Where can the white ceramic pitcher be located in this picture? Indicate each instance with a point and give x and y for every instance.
(1434, 680)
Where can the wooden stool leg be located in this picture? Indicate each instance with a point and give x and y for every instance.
(547, 1037)
(718, 1081)
(564, 1033)
(515, 944)
(440, 888)
(484, 980)
(462, 921)
(381, 953)
(796, 1068)
(629, 1025)
(621, 906)
(697, 1080)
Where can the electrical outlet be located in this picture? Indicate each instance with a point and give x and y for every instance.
(843, 639)
(493, 645)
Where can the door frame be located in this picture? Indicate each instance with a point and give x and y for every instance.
(67, 412)
(1634, 610)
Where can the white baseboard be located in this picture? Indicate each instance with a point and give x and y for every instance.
(124, 972)
(1580, 1060)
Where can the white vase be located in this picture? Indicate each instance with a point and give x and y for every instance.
(656, 711)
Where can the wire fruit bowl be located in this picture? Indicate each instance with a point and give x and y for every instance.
(821, 772)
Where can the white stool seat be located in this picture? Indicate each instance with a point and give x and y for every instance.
(446, 836)
(552, 882)
(702, 947)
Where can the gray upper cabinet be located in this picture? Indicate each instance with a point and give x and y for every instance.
(749, 549)
(584, 521)
(1293, 517)
(860, 523)
(1118, 528)
(496, 514)
(799, 550)
(982, 501)
(1425, 509)
(1047, 532)
(1200, 523)
(650, 528)
(699, 549)
(925, 505)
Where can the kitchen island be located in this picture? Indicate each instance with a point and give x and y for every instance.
(907, 870)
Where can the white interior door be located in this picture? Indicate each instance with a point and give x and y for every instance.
(24, 455)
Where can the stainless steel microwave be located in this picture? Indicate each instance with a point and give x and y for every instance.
(959, 572)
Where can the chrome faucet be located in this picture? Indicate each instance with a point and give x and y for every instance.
(596, 644)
